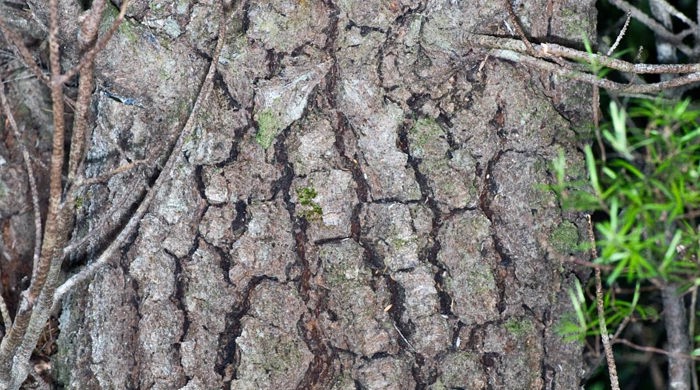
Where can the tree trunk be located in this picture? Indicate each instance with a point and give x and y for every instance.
(362, 205)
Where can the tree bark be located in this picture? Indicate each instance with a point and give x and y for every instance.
(363, 203)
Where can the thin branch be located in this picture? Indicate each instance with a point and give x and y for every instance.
(108, 224)
(675, 318)
(653, 25)
(57, 155)
(596, 122)
(26, 58)
(621, 327)
(619, 36)
(545, 50)
(697, 30)
(605, 338)
(89, 57)
(594, 80)
(17, 345)
(34, 192)
(106, 176)
(518, 29)
(173, 157)
(655, 350)
(24, 53)
(671, 10)
(90, 27)
(590, 264)
(88, 36)
(691, 333)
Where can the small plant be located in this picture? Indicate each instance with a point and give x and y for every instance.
(646, 200)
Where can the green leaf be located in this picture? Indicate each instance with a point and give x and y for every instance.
(616, 273)
(622, 164)
(619, 140)
(591, 166)
(670, 251)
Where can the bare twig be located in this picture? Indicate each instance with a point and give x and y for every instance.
(518, 29)
(27, 59)
(173, 157)
(106, 176)
(590, 264)
(545, 50)
(691, 333)
(620, 35)
(605, 338)
(24, 53)
(88, 36)
(89, 57)
(621, 327)
(594, 80)
(596, 122)
(655, 350)
(653, 25)
(16, 347)
(671, 10)
(697, 30)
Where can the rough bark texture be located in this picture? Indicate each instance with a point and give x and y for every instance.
(362, 204)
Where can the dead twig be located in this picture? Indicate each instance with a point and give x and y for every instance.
(88, 37)
(89, 56)
(619, 36)
(593, 79)
(656, 350)
(36, 302)
(653, 25)
(24, 54)
(518, 29)
(691, 333)
(80, 183)
(174, 155)
(605, 338)
(546, 50)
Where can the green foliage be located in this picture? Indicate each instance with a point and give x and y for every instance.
(646, 190)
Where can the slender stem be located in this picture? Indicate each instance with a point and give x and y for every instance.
(691, 334)
(172, 158)
(24, 53)
(89, 32)
(605, 338)
(653, 25)
(89, 57)
(594, 80)
(619, 36)
(645, 348)
(548, 50)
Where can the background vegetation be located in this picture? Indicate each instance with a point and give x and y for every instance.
(641, 188)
